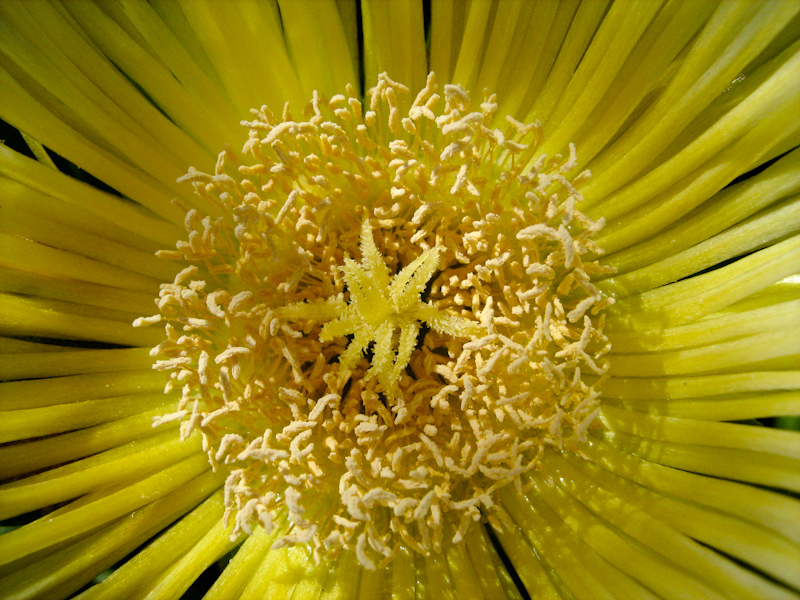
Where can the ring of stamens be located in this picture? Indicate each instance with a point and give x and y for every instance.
(393, 312)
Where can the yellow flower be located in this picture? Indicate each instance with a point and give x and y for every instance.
(504, 325)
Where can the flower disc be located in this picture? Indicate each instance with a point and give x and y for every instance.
(388, 319)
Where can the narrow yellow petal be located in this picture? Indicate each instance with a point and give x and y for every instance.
(174, 582)
(69, 569)
(133, 461)
(317, 45)
(31, 456)
(48, 531)
(36, 422)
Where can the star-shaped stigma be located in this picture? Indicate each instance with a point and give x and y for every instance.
(380, 306)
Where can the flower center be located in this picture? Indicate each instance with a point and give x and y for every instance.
(382, 401)
(378, 308)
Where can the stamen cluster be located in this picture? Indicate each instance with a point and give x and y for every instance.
(390, 320)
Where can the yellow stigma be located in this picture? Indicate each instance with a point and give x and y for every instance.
(381, 402)
(379, 306)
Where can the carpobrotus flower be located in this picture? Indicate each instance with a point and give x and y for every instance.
(481, 335)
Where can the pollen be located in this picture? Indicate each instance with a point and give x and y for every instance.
(388, 319)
